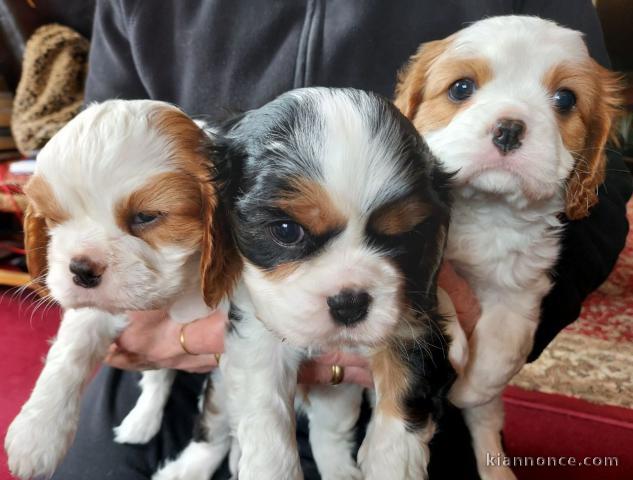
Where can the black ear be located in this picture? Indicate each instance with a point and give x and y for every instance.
(227, 157)
(440, 186)
(442, 182)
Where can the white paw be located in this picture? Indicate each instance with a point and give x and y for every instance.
(169, 471)
(176, 470)
(391, 451)
(333, 457)
(137, 427)
(35, 444)
(198, 461)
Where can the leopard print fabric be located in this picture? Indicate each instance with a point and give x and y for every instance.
(51, 87)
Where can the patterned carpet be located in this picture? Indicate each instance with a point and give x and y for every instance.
(592, 359)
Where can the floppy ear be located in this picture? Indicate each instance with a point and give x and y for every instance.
(433, 247)
(589, 171)
(36, 245)
(220, 263)
(412, 77)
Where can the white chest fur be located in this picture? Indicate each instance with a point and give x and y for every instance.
(502, 250)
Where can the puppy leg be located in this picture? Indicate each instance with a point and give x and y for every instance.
(392, 450)
(396, 443)
(260, 374)
(498, 348)
(485, 423)
(333, 413)
(41, 433)
(211, 439)
(144, 420)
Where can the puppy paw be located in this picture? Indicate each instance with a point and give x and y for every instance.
(390, 451)
(172, 470)
(137, 428)
(333, 458)
(176, 470)
(35, 445)
(198, 461)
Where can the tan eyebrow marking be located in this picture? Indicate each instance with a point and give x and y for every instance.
(399, 217)
(309, 204)
(176, 195)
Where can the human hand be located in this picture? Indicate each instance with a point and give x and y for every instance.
(152, 340)
(464, 300)
(318, 370)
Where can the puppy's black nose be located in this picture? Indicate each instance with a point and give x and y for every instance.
(507, 134)
(349, 307)
(87, 274)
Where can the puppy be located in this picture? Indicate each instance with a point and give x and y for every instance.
(339, 214)
(123, 216)
(524, 129)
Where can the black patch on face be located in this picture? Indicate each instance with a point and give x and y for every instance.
(257, 244)
(273, 158)
(417, 253)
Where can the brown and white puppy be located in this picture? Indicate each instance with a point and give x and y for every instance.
(519, 111)
(123, 216)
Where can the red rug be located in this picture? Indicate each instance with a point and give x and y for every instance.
(24, 331)
(552, 428)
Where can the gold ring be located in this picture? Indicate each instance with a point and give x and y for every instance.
(182, 340)
(337, 374)
(217, 358)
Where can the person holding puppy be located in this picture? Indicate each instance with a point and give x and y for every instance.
(209, 57)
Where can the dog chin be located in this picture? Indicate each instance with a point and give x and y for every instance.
(70, 297)
(508, 184)
(68, 300)
(496, 180)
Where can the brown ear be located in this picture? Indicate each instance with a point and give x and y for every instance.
(412, 77)
(36, 245)
(220, 263)
(589, 171)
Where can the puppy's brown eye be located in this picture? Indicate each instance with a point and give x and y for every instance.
(564, 100)
(462, 89)
(142, 219)
(286, 233)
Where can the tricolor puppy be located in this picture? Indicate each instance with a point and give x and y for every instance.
(520, 112)
(123, 216)
(339, 214)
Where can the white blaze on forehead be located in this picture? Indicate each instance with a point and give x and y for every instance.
(361, 171)
(519, 47)
(104, 154)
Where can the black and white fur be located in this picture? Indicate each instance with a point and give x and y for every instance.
(363, 156)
